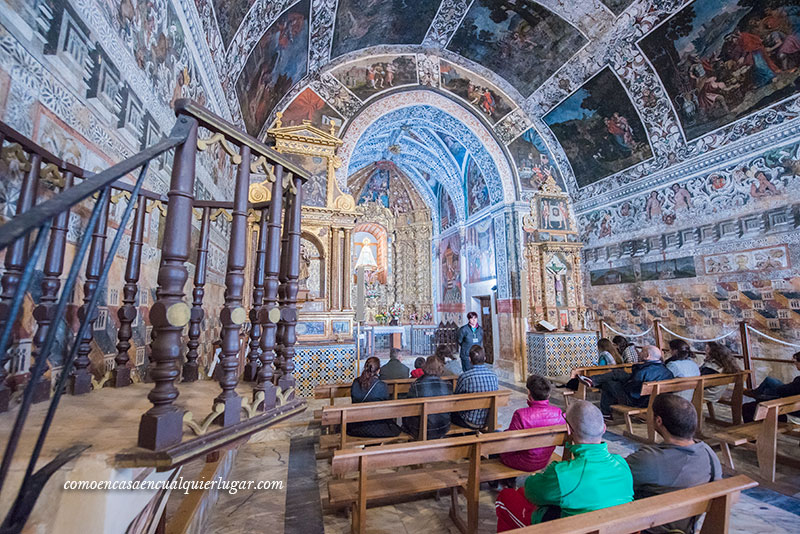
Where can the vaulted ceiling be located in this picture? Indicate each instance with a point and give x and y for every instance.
(600, 94)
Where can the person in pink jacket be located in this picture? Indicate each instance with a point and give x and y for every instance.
(539, 413)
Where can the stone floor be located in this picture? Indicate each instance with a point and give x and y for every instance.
(286, 453)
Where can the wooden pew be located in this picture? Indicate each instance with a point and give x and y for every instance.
(396, 387)
(372, 487)
(375, 411)
(762, 435)
(674, 385)
(591, 371)
(715, 499)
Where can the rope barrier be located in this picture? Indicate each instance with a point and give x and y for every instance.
(762, 334)
(723, 336)
(627, 335)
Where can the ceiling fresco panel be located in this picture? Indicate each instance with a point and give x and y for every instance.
(364, 23)
(368, 77)
(309, 106)
(277, 62)
(721, 60)
(599, 129)
(534, 162)
(521, 41)
(481, 95)
(617, 6)
(230, 14)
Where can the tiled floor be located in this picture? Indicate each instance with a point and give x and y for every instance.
(285, 453)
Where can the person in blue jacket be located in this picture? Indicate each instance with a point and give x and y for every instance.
(468, 335)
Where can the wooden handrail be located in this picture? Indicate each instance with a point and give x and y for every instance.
(784, 405)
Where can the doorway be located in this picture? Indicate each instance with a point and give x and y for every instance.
(485, 319)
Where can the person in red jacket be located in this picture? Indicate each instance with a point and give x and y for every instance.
(539, 413)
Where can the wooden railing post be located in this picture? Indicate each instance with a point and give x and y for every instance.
(126, 314)
(658, 334)
(80, 382)
(270, 312)
(602, 327)
(744, 335)
(16, 256)
(190, 368)
(289, 285)
(233, 315)
(162, 425)
(51, 283)
(251, 368)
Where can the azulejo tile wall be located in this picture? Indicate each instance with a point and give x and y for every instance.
(556, 354)
(322, 364)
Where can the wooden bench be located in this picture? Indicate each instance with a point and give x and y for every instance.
(376, 411)
(695, 383)
(762, 435)
(396, 387)
(454, 474)
(582, 390)
(715, 499)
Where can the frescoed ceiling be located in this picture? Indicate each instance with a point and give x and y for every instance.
(597, 93)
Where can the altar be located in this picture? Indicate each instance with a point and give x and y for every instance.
(398, 336)
(557, 353)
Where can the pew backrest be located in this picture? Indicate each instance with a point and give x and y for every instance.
(781, 406)
(396, 387)
(714, 498)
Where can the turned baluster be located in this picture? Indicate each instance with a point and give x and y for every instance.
(233, 315)
(51, 283)
(270, 312)
(16, 255)
(126, 314)
(251, 369)
(80, 381)
(162, 425)
(288, 297)
(190, 368)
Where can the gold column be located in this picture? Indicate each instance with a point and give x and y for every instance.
(346, 275)
(336, 269)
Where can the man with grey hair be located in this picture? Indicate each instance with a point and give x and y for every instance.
(570, 487)
(620, 387)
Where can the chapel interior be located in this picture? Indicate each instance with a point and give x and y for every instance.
(212, 212)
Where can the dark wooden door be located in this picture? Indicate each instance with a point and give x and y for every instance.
(486, 324)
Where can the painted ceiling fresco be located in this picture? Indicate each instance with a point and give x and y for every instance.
(230, 14)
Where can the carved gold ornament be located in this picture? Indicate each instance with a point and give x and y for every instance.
(203, 144)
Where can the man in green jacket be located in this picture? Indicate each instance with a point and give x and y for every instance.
(591, 480)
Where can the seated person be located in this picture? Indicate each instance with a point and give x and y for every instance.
(419, 363)
(370, 388)
(452, 365)
(608, 353)
(591, 480)
(679, 462)
(429, 385)
(539, 413)
(478, 379)
(620, 387)
(394, 368)
(719, 359)
(772, 388)
(626, 349)
(682, 364)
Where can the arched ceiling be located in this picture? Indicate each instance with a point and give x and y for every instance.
(609, 92)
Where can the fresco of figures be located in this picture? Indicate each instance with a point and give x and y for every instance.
(481, 252)
(309, 106)
(447, 211)
(383, 182)
(454, 146)
(742, 188)
(721, 60)
(276, 63)
(369, 77)
(484, 97)
(477, 191)
(599, 129)
(521, 41)
(757, 259)
(154, 35)
(363, 23)
(450, 272)
(230, 14)
(534, 162)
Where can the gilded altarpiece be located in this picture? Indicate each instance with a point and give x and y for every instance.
(555, 287)
(328, 217)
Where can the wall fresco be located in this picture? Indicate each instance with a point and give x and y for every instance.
(480, 252)
(447, 212)
(477, 192)
(534, 162)
(758, 259)
(309, 106)
(481, 95)
(369, 77)
(450, 273)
